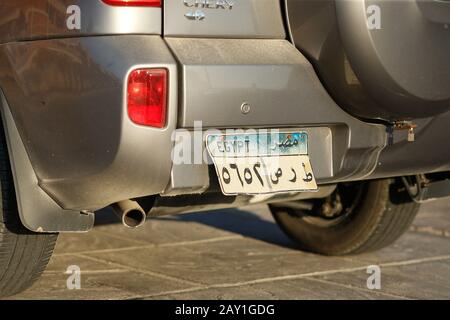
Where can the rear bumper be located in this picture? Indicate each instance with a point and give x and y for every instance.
(67, 99)
(87, 154)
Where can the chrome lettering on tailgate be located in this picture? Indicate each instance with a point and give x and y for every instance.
(197, 7)
(209, 4)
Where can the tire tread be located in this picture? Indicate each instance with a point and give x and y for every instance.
(385, 221)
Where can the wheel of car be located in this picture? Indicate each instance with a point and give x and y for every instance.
(356, 218)
(23, 254)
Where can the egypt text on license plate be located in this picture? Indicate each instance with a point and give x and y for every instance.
(262, 163)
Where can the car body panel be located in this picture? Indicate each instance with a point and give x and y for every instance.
(38, 212)
(394, 69)
(31, 19)
(73, 121)
(428, 153)
(81, 111)
(66, 94)
(233, 19)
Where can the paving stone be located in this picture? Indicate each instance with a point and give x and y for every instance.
(410, 246)
(303, 289)
(434, 217)
(253, 222)
(160, 230)
(242, 247)
(59, 264)
(428, 280)
(226, 261)
(98, 281)
(53, 287)
(80, 242)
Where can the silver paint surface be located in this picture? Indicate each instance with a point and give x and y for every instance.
(37, 211)
(73, 121)
(246, 19)
(220, 74)
(39, 19)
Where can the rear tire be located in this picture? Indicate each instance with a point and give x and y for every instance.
(23, 254)
(373, 214)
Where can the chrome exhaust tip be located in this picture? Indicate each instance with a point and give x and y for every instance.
(130, 213)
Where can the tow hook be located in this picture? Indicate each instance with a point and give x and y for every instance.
(402, 125)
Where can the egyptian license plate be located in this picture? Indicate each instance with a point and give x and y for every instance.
(262, 163)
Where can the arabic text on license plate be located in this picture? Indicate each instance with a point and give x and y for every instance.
(262, 163)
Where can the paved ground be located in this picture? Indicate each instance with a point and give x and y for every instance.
(241, 254)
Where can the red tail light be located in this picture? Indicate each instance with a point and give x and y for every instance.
(137, 3)
(147, 97)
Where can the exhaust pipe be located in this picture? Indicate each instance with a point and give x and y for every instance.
(130, 213)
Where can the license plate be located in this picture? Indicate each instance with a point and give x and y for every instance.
(262, 163)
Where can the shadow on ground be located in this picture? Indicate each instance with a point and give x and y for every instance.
(241, 222)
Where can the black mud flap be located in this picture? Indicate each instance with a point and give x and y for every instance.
(38, 212)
